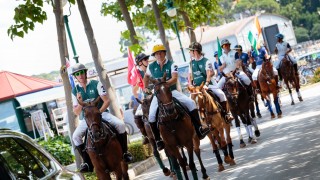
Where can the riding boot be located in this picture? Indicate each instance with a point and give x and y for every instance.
(86, 166)
(295, 67)
(195, 118)
(140, 125)
(123, 139)
(250, 92)
(279, 74)
(156, 134)
(228, 115)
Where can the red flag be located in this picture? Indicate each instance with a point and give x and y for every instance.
(134, 76)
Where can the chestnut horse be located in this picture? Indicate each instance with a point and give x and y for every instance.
(145, 104)
(102, 145)
(210, 113)
(268, 85)
(175, 128)
(290, 77)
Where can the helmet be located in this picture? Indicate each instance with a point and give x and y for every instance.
(215, 54)
(158, 47)
(140, 57)
(195, 46)
(78, 67)
(238, 47)
(279, 35)
(225, 41)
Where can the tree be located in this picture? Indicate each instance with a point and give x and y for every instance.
(315, 33)
(302, 34)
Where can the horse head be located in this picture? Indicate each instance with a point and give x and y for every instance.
(145, 105)
(231, 87)
(267, 68)
(197, 95)
(93, 118)
(164, 95)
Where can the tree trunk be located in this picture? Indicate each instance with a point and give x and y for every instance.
(188, 23)
(163, 36)
(127, 19)
(114, 108)
(62, 42)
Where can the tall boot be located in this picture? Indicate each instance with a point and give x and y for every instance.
(295, 67)
(86, 166)
(227, 114)
(156, 134)
(250, 92)
(140, 125)
(195, 118)
(127, 156)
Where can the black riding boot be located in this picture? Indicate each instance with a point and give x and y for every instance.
(140, 125)
(123, 138)
(86, 166)
(250, 92)
(227, 114)
(195, 118)
(156, 134)
(295, 67)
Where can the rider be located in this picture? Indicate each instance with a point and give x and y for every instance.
(283, 49)
(142, 62)
(201, 70)
(87, 90)
(228, 66)
(216, 65)
(156, 70)
(244, 57)
(258, 58)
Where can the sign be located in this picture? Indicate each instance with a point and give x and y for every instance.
(39, 121)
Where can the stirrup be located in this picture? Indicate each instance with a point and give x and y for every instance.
(228, 118)
(160, 145)
(203, 132)
(127, 157)
(84, 167)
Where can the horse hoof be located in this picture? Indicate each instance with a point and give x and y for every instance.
(300, 99)
(166, 172)
(228, 160)
(273, 116)
(292, 103)
(232, 163)
(279, 115)
(172, 174)
(253, 141)
(243, 145)
(188, 168)
(259, 115)
(257, 133)
(220, 168)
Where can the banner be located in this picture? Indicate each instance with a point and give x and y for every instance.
(134, 76)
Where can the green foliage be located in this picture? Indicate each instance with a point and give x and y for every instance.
(302, 34)
(316, 77)
(139, 152)
(315, 31)
(60, 148)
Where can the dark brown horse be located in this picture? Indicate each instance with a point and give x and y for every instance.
(290, 77)
(268, 85)
(102, 145)
(175, 128)
(210, 113)
(145, 104)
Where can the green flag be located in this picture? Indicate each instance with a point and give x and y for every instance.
(219, 50)
(253, 42)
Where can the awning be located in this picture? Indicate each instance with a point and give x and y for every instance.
(41, 96)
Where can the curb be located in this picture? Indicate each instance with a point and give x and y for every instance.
(144, 165)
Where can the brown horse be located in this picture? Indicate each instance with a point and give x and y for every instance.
(102, 145)
(290, 77)
(175, 128)
(210, 112)
(145, 104)
(268, 85)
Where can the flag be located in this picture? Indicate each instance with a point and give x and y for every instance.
(253, 42)
(258, 31)
(254, 36)
(134, 76)
(69, 70)
(219, 51)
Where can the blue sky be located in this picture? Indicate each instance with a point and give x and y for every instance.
(38, 51)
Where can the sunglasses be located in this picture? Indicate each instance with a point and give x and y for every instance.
(79, 73)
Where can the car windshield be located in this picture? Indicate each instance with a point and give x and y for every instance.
(23, 160)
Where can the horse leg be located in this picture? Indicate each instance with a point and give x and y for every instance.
(299, 94)
(191, 161)
(176, 167)
(216, 151)
(156, 154)
(237, 122)
(257, 106)
(230, 145)
(124, 171)
(256, 128)
(196, 149)
(277, 105)
(184, 157)
(248, 119)
(290, 92)
(270, 109)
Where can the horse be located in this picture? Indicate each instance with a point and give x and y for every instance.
(145, 104)
(239, 102)
(211, 114)
(268, 85)
(289, 76)
(102, 145)
(171, 118)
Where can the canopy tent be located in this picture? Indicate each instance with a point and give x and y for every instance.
(13, 85)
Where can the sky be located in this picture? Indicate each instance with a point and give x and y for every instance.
(38, 51)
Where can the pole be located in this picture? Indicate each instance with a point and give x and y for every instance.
(75, 55)
(177, 32)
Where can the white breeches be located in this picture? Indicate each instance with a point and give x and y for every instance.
(218, 92)
(256, 72)
(80, 131)
(183, 99)
(276, 63)
(139, 111)
(242, 76)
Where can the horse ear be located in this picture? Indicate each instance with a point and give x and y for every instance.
(191, 88)
(154, 81)
(96, 101)
(201, 86)
(164, 77)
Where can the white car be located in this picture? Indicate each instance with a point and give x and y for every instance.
(131, 126)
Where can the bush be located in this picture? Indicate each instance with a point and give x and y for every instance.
(139, 152)
(316, 77)
(60, 148)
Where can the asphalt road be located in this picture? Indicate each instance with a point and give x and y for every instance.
(288, 148)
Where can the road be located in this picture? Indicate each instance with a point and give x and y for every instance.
(288, 148)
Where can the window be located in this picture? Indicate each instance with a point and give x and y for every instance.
(23, 160)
